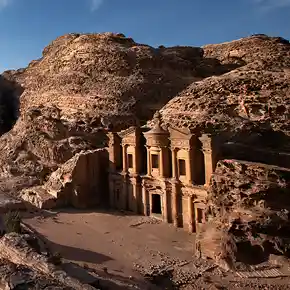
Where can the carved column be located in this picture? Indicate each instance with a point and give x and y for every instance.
(145, 200)
(112, 167)
(209, 156)
(161, 165)
(174, 163)
(174, 192)
(190, 215)
(189, 166)
(125, 193)
(174, 203)
(148, 162)
(134, 182)
(165, 204)
(125, 161)
(136, 159)
(112, 151)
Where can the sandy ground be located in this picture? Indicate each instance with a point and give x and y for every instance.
(129, 246)
(112, 240)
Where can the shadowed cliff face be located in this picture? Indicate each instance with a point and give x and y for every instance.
(9, 104)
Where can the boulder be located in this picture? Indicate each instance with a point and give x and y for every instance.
(249, 205)
(79, 182)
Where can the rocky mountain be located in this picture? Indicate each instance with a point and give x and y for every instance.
(93, 75)
(85, 82)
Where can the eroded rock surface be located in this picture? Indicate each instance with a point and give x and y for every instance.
(106, 74)
(86, 82)
(81, 84)
(39, 143)
(248, 209)
(254, 96)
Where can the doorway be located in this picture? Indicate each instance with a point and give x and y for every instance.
(156, 204)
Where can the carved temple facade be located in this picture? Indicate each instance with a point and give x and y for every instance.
(161, 173)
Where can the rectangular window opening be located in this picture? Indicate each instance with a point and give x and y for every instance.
(181, 167)
(155, 160)
(130, 161)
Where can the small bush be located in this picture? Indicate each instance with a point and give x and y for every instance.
(12, 221)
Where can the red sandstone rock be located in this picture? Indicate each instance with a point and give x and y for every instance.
(249, 204)
(255, 95)
(106, 74)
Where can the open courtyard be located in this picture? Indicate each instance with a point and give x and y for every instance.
(131, 248)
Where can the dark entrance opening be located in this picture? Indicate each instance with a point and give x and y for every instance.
(156, 204)
(143, 151)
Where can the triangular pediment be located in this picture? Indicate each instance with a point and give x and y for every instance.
(128, 132)
(178, 133)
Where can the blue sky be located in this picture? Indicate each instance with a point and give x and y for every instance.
(27, 26)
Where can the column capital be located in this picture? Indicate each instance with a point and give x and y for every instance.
(188, 149)
(207, 142)
(206, 150)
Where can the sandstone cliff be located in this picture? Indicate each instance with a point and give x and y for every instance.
(254, 96)
(40, 142)
(248, 213)
(85, 82)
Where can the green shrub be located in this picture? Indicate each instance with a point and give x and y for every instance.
(12, 221)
